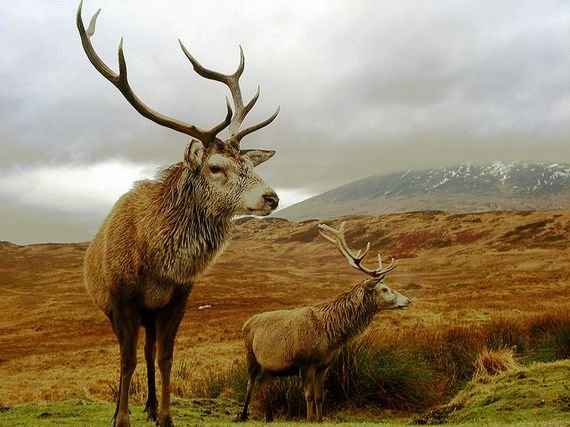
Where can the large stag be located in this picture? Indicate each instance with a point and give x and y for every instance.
(142, 263)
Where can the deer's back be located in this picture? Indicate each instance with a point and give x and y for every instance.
(285, 340)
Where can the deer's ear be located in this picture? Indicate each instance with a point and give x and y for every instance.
(257, 157)
(194, 154)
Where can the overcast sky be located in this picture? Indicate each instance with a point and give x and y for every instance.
(365, 87)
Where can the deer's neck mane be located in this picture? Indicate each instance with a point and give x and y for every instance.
(192, 235)
(348, 315)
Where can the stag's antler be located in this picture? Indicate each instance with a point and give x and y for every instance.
(120, 81)
(232, 82)
(354, 260)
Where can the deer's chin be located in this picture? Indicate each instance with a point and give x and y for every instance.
(253, 211)
(395, 307)
(259, 212)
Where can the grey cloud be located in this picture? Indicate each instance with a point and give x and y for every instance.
(365, 87)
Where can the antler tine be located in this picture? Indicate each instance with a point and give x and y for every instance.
(341, 242)
(341, 249)
(360, 255)
(339, 237)
(337, 242)
(120, 82)
(386, 270)
(258, 126)
(355, 260)
(232, 81)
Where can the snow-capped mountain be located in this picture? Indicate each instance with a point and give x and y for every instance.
(465, 188)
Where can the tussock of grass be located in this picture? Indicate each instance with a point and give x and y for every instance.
(364, 374)
(494, 362)
(551, 333)
(382, 374)
(137, 391)
(450, 350)
(214, 383)
(504, 332)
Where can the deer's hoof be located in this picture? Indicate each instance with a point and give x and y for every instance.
(165, 421)
(121, 422)
(151, 412)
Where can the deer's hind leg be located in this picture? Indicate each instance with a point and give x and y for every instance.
(151, 407)
(264, 384)
(167, 321)
(252, 370)
(126, 320)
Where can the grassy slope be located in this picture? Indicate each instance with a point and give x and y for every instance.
(540, 391)
(537, 395)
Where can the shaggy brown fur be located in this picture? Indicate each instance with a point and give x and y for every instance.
(145, 258)
(306, 340)
(143, 262)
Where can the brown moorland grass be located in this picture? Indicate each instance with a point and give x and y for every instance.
(410, 370)
(510, 270)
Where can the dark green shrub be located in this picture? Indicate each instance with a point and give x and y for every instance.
(550, 335)
(370, 372)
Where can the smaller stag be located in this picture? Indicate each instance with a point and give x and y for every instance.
(307, 340)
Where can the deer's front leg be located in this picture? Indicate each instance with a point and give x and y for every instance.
(308, 379)
(151, 407)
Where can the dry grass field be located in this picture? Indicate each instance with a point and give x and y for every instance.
(457, 269)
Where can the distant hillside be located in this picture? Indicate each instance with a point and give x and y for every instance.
(462, 189)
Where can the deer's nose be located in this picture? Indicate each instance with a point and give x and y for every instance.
(271, 199)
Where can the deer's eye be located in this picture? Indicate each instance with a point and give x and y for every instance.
(384, 290)
(215, 169)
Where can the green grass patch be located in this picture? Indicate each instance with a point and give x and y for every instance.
(186, 412)
(71, 413)
(80, 413)
(538, 394)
